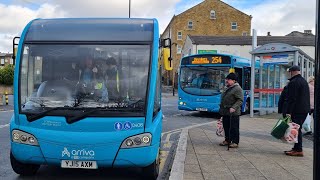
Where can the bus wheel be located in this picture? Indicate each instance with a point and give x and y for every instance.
(152, 171)
(21, 168)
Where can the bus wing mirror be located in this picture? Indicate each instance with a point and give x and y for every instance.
(167, 60)
(14, 48)
(165, 43)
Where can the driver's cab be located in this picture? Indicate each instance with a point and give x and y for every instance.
(64, 79)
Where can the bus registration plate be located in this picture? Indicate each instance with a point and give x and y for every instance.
(201, 109)
(79, 164)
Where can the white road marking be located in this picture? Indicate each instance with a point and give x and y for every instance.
(188, 127)
(7, 111)
(2, 126)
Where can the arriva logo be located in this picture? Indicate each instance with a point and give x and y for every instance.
(65, 152)
(78, 153)
(82, 152)
(202, 100)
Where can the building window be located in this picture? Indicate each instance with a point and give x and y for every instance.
(179, 49)
(11, 61)
(234, 26)
(189, 53)
(179, 35)
(244, 34)
(212, 14)
(190, 25)
(2, 61)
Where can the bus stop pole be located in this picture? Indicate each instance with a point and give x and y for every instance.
(316, 141)
(253, 63)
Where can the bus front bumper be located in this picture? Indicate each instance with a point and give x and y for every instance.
(198, 106)
(131, 157)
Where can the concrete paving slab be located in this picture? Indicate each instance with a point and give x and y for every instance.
(259, 156)
(193, 176)
(218, 175)
(194, 168)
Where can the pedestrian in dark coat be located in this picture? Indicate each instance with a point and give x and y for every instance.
(230, 109)
(298, 105)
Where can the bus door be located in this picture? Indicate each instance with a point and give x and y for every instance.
(244, 81)
(239, 74)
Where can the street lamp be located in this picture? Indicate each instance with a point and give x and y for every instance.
(129, 7)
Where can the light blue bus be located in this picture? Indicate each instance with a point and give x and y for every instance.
(202, 78)
(87, 95)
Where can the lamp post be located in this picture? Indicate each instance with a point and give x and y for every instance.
(316, 141)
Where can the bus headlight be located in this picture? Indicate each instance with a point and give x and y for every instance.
(24, 138)
(181, 103)
(140, 140)
(129, 142)
(145, 139)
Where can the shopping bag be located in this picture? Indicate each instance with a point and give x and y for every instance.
(307, 124)
(220, 130)
(280, 128)
(291, 134)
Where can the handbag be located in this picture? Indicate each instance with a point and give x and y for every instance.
(291, 135)
(280, 127)
(307, 123)
(220, 130)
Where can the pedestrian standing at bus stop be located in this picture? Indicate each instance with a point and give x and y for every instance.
(230, 109)
(298, 105)
(311, 89)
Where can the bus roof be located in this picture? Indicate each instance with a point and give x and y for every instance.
(91, 29)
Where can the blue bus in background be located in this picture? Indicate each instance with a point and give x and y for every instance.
(202, 78)
(87, 95)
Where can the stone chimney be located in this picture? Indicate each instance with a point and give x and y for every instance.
(308, 31)
(269, 34)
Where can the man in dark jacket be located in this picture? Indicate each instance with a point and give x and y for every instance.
(283, 101)
(230, 109)
(298, 105)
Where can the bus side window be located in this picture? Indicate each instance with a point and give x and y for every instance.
(246, 78)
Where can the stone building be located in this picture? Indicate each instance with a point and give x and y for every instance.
(210, 17)
(5, 59)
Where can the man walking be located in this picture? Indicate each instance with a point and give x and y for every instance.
(230, 109)
(298, 105)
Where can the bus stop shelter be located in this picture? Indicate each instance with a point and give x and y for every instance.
(269, 70)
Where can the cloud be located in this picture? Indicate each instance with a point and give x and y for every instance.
(162, 10)
(282, 17)
(277, 17)
(16, 16)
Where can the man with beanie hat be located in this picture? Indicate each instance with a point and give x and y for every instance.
(230, 109)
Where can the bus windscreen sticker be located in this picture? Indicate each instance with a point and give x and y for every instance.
(118, 126)
(127, 125)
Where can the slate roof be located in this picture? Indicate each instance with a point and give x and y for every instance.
(247, 40)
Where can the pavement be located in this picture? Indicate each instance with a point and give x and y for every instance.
(259, 155)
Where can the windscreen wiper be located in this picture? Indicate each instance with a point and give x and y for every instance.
(85, 113)
(34, 117)
(136, 103)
